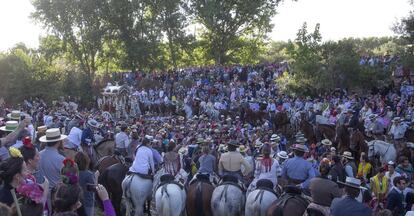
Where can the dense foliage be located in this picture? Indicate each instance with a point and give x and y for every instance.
(90, 39)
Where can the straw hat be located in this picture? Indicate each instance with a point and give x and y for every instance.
(93, 123)
(242, 149)
(233, 143)
(52, 135)
(372, 116)
(200, 140)
(10, 126)
(351, 182)
(348, 155)
(258, 144)
(181, 118)
(326, 142)
(283, 155)
(14, 115)
(183, 151)
(274, 137)
(300, 147)
(41, 129)
(301, 140)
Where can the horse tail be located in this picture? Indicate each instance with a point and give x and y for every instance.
(165, 201)
(199, 199)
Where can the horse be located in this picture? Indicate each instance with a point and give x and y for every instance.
(108, 161)
(137, 189)
(326, 131)
(384, 150)
(291, 203)
(102, 149)
(199, 196)
(281, 122)
(170, 197)
(259, 200)
(357, 143)
(307, 130)
(342, 138)
(228, 198)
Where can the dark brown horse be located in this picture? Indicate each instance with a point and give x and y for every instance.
(111, 179)
(409, 135)
(291, 203)
(357, 143)
(342, 138)
(324, 131)
(199, 197)
(281, 122)
(307, 129)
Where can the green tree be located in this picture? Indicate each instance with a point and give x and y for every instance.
(80, 25)
(226, 21)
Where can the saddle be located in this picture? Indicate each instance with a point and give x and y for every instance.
(231, 180)
(169, 179)
(265, 184)
(144, 176)
(292, 192)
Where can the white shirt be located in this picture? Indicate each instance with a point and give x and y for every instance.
(143, 162)
(121, 140)
(75, 136)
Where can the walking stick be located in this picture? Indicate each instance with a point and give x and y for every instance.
(19, 213)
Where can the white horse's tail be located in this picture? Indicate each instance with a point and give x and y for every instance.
(165, 201)
(258, 202)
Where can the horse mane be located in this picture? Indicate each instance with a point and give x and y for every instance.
(102, 141)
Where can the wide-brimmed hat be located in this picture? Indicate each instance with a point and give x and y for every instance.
(242, 149)
(10, 126)
(52, 135)
(396, 119)
(300, 147)
(348, 155)
(195, 117)
(351, 182)
(183, 151)
(372, 116)
(301, 140)
(299, 134)
(333, 149)
(258, 144)
(283, 155)
(14, 115)
(222, 148)
(233, 143)
(200, 140)
(274, 137)
(93, 123)
(326, 142)
(41, 129)
(181, 118)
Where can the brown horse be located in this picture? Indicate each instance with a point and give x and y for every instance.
(106, 162)
(325, 131)
(307, 129)
(281, 122)
(342, 138)
(409, 135)
(357, 143)
(291, 203)
(199, 197)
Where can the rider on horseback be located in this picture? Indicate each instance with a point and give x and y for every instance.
(297, 170)
(230, 163)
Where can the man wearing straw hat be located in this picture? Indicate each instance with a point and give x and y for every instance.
(349, 164)
(11, 131)
(50, 160)
(348, 205)
(397, 132)
(297, 170)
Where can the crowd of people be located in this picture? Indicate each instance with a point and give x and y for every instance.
(334, 178)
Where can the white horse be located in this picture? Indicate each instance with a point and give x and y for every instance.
(227, 200)
(258, 201)
(170, 200)
(136, 191)
(385, 150)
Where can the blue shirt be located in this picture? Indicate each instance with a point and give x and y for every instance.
(347, 206)
(299, 169)
(87, 136)
(50, 164)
